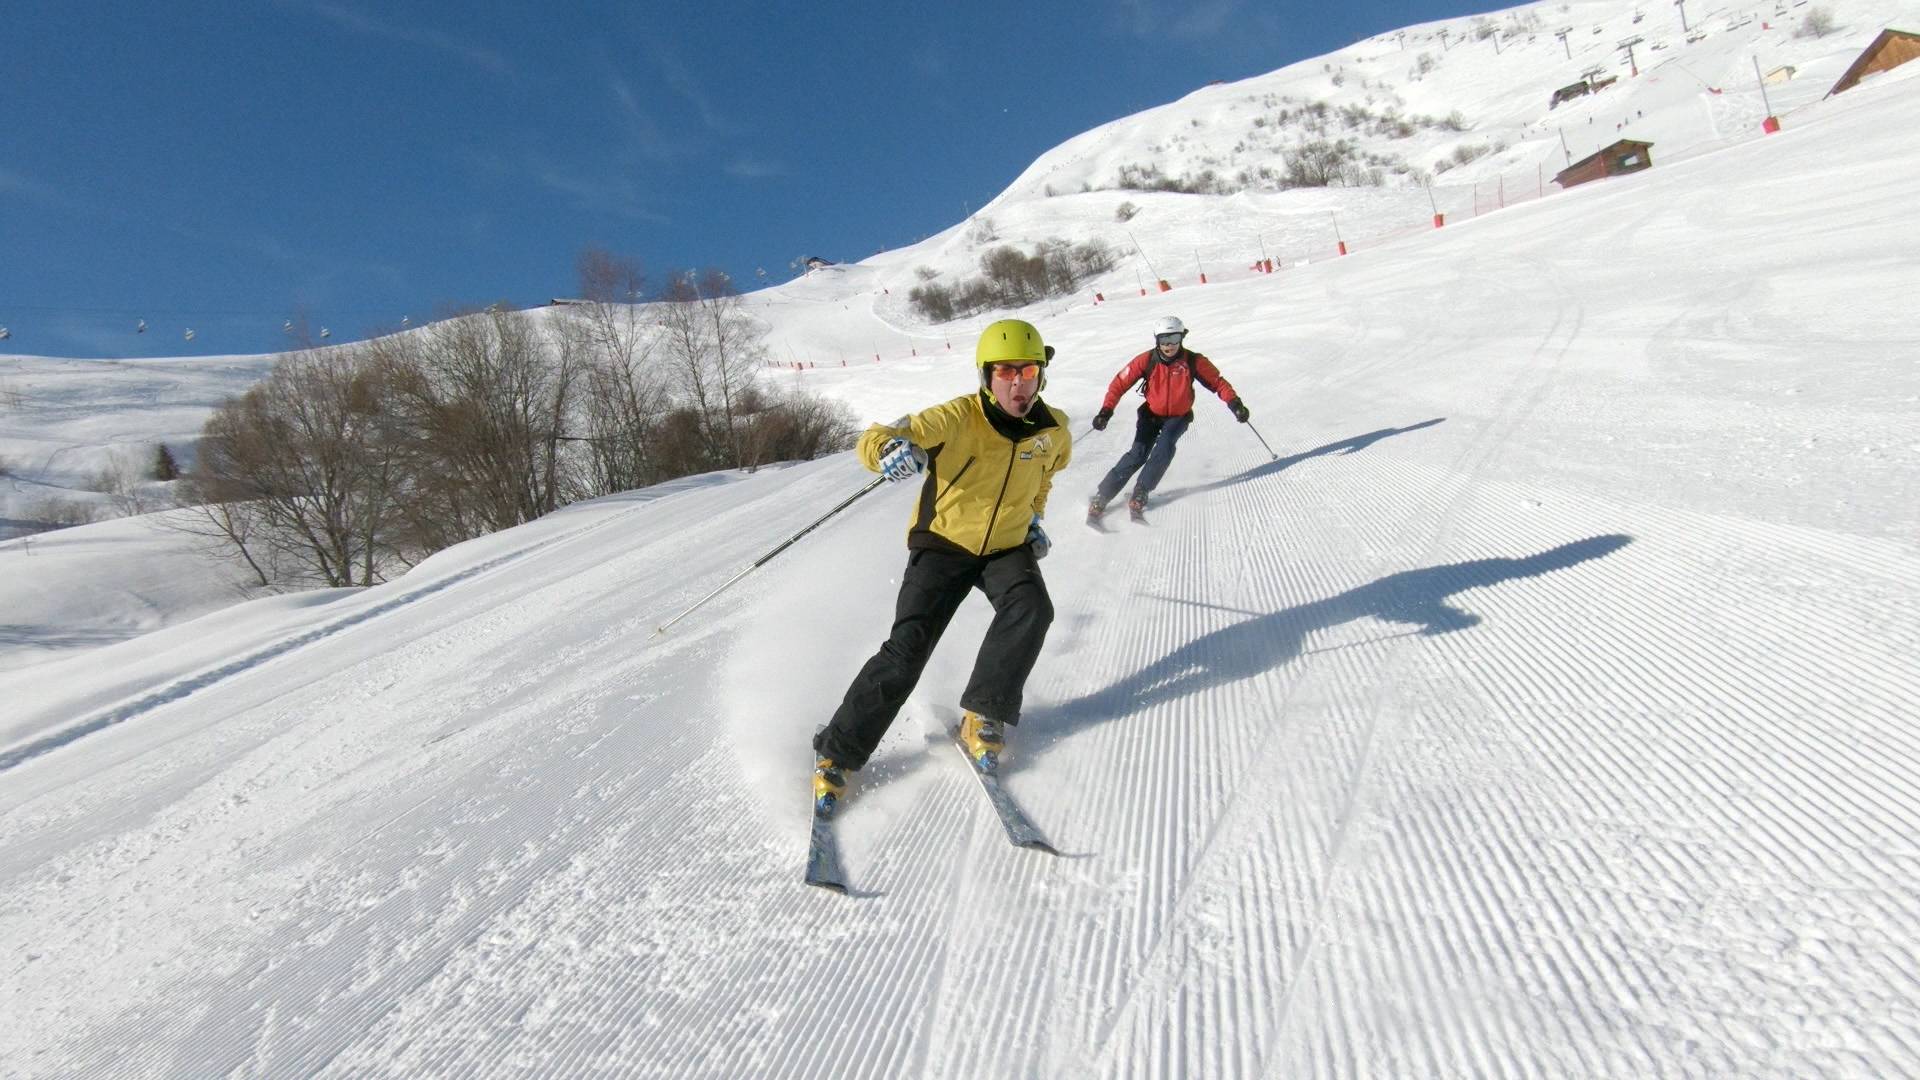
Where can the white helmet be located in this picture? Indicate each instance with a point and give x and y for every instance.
(1169, 324)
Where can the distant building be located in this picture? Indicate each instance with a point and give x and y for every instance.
(1624, 156)
(815, 262)
(1891, 49)
(1782, 73)
(1569, 92)
(562, 301)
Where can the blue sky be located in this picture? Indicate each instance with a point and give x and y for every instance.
(226, 167)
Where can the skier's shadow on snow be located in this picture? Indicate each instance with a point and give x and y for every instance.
(1417, 598)
(1345, 446)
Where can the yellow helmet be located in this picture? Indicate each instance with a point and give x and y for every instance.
(1010, 341)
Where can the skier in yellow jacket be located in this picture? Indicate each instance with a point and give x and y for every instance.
(986, 462)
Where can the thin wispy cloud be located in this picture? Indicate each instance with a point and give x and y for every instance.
(321, 272)
(26, 187)
(751, 168)
(616, 195)
(931, 63)
(1148, 19)
(593, 186)
(257, 245)
(681, 80)
(318, 268)
(642, 131)
(367, 25)
(326, 285)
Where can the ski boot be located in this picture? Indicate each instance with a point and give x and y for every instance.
(983, 740)
(1096, 509)
(829, 786)
(1137, 508)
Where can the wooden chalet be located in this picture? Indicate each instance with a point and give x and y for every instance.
(1891, 49)
(1624, 156)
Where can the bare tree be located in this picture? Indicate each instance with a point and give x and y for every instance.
(229, 526)
(119, 479)
(10, 399)
(1317, 162)
(795, 426)
(483, 405)
(739, 352)
(714, 348)
(349, 462)
(300, 473)
(606, 278)
(626, 392)
(52, 512)
(1818, 23)
(687, 342)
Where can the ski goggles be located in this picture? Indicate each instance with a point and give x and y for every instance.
(1015, 372)
(1166, 339)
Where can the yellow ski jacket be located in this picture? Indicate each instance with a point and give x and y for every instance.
(986, 476)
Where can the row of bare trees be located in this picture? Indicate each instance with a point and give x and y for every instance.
(1012, 278)
(349, 464)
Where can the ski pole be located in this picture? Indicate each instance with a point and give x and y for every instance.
(1263, 441)
(768, 557)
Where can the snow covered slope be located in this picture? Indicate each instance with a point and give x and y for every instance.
(1434, 104)
(1543, 708)
(64, 422)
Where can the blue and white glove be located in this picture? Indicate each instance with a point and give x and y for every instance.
(901, 460)
(1037, 539)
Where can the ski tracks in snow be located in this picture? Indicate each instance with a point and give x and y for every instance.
(1417, 834)
(1368, 761)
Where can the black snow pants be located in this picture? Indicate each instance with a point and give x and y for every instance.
(930, 592)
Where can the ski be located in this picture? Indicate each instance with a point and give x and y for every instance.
(1020, 830)
(1095, 512)
(823, 855)
(823, 850)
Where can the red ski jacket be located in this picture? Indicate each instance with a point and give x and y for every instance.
(1169, 387)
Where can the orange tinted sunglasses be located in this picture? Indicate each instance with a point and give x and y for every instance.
(1015, 372)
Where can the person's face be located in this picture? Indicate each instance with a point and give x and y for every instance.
(1169, 345)
(1014, 386)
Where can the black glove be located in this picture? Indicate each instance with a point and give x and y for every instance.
(1239, 410)
(1100, 419)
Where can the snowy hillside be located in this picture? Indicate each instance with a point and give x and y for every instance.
(1543, 708)
(64, 423)
(1460, 104)
(1435, 104)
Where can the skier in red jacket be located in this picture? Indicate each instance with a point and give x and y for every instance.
(1170, 371)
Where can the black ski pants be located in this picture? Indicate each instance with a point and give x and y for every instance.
(930, 592)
